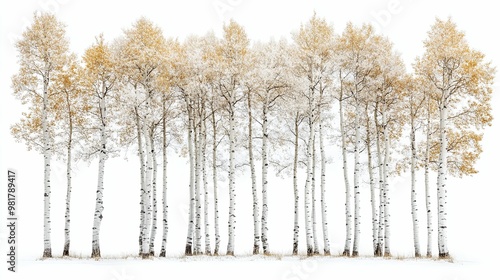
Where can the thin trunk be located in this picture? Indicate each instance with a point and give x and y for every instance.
(387, 215)
(143, 182)
(313, 199)
(96, 251)
(357, 210)
(324, 216)
(47, 151)
(255, 205)
(414, 209)
(265, 166)
(348, 215)
(309, 172)
(163, 251)
(295, 250)
(232, 185)
(198, 222)
(189, 239)
(147, 194)
(428, 203)
(208, 249)
(381, 225)
(443, 169)
(67, 218)
(155, 206)
(373, 198)
(214, 177)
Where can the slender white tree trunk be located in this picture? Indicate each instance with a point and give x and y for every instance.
(99, 207)
(198, 222)
(414, 209)
(357, 207)
(208, 248)
(307, 191)
(214, 178)
(47, 153)
(295, 249)
(427, 186)
(324, 216)
(189, 239)
(373, 196)
(387, 222)
(154, 200)
(348, 215)
(163, 251)
(232, 185)
(143, 180)
(442, 171)
(255, 205)
(313, 199)
(265, 165)
(67, 218)
(381, 225)
(147, 194)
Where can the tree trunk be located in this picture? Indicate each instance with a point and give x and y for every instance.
(313, 199)
(265, 166)
(348, 215)
(307, 191)
(442, 171)
(379, 251)
(147, 194)
(357, 210)
(255, 205)
(324, 216)
(232, 185)
(373, 197)
(214, 177)
(198, 222)
(155, 205)
(295, 249)
(99, 208)
(47, 153)
(67, 218)
(427, 185)
(414, 209)
(143, 179)
(208, 249)
(189, 239)
(387, 215)
(163, 251)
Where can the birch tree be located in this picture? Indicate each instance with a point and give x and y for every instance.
(463, 80)
(42, 51)
(99, 81)
(313, 48)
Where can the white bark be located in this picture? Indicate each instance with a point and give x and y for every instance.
(414, 209)
(428, 202)
(163, 250)
(147, 194)
(357, 207)
(214, 178)
(387, 215)
(198, 222)
(208, 249)
(324, 216)
(296, 226)
(232, 185)
(255, 204)
(143, 180)
(47, 153)
(189, 239)
(154, 200)
(67, 217)
(313, 199)
(307, 191)
(348, 215)
(442, 171)
(381, 225)
(265, 165)
(373, 196)
(99, 208)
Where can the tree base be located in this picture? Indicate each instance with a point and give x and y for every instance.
(417, 255)
(189, 250)
(230, 253)
(66, 250)
(256, 249)
(295, 250)
(346, 253)
(327, 253)
(47, 253)
(96, 253)
(387, 255)
(162, 254)
(355, 254)
(310, 251)
(444, 255)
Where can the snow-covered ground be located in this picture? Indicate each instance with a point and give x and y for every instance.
(473, 201)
